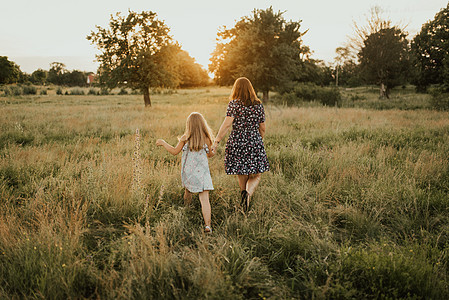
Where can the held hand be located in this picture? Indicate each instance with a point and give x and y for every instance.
(214, 146)
(160, 142)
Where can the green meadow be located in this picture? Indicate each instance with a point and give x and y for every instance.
(355, 206)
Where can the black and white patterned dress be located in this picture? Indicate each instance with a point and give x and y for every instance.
(245, 153)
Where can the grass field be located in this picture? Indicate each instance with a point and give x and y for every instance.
(356, 204)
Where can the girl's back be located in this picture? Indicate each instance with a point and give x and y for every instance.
(195, 173)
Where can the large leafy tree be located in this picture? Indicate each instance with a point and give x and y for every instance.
(190, 73)
(263, 47)
(56, 72)
(136, 51)
(39, 76)
(384, 59)
(9, 71)
(374, 22)
(431, 51)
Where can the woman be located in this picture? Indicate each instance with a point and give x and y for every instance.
(245, 154)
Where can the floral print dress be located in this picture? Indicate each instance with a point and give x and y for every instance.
(195, 174)
(245, 153)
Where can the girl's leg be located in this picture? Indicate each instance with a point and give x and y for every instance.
(205, 206)
(243, 179)
(187, 197)
(252, 183)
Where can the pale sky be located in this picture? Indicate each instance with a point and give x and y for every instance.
(35, 33)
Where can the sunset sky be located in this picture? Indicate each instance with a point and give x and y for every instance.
(36, 33)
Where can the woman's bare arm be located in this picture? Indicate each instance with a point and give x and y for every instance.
(227, 123)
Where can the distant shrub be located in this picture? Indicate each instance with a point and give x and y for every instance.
(43, 92)
(330, 97)
(5, 91)
(29, 90)
(162, 91)
(357, 97)
(77, 92)
(169, 92)
(104, 91)
(66, 93)
(307, 92)
(92, 92)
(354, 81)
(17, 91)
(123, 91)
(59, 91)
(12, 90)
(156, 91)
(440, 100)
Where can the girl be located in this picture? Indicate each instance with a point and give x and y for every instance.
(195, 174)
(245, 154)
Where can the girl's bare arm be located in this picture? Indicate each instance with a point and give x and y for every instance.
(173, 150)
(211, 153)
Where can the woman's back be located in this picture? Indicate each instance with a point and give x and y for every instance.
(245, 152)
(245, 117)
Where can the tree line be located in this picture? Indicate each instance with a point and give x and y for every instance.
(268, 49)
(137, 51)
(192, 74)
(57, 74)
(381, 53)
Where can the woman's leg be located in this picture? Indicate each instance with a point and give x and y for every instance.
(187, 197)
(248, 184)
(252, 183)
(205, 206)
(243, 179)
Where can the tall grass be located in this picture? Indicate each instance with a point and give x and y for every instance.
(355, 205)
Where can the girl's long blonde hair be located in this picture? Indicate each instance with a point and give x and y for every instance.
(244, 91)
(198, 132)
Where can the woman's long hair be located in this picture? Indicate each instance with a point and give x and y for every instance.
(198, 132)
(243, 90)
